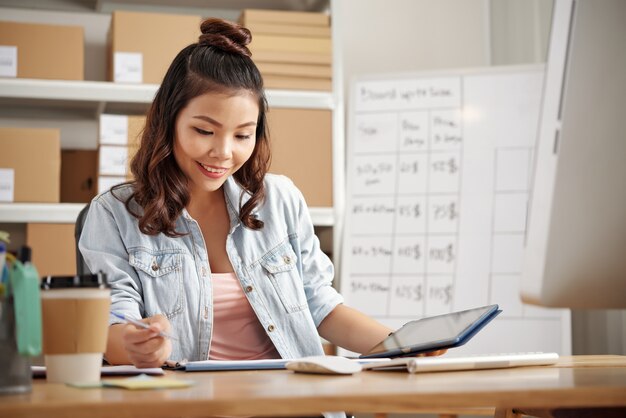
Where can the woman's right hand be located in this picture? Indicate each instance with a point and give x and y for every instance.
(145, 347)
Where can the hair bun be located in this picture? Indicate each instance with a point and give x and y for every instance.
(226, 36)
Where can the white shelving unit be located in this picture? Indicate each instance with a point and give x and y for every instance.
(67, 213)
(32, 96)
(100, 94)
(66, 93)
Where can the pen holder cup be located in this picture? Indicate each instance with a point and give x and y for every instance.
(15, 373)
(75, 313)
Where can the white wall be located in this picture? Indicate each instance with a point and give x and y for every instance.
(411, 35)
(520, 30)
(382, 36)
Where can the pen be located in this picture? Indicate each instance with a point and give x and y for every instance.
(141, 325)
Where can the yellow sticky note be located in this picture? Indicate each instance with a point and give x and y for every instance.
(146, 382)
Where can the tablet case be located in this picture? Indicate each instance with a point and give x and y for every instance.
(460, 339)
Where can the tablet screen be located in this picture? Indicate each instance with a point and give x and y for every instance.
(435, 331)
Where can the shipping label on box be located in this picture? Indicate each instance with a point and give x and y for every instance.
(106, 182)
(128, 67)
(7, 184)
(8, 61)
(114, 129)
(112, 160)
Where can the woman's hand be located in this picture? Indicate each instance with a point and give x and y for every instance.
(432, 353)
(144, 347)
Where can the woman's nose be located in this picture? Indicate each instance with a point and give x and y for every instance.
(221, 148)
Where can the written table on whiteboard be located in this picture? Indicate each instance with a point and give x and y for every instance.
(439, 169)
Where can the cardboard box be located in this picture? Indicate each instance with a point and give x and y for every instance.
(143, 45)
(51, 52)
(106, 182)
(54, 248)
(296, 57)
(79, 175)
(297, 83)
(287, 29)
(291, 44)
(249, 16)
(289, 38)
(302, 150)
(120, 136)
(121, 130)
(115, 161)
(296, 70)
(34, 155)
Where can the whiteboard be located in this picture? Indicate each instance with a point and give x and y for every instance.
(438, 178)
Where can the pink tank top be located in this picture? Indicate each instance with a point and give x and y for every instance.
(237, 332)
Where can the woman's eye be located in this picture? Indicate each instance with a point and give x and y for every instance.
(244, 137)
(203, 132)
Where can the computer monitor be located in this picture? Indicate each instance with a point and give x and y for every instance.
(575, 255)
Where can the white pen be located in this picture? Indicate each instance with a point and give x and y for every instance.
(141, 325)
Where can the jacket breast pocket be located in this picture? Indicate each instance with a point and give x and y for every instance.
(161, 277)
(280, 267)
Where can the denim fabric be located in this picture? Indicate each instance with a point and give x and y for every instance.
(283, 272)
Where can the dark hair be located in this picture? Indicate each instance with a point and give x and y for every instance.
(219, 62)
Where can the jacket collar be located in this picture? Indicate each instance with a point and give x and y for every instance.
(235, 197)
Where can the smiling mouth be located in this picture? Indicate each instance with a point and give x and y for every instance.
(212, 169)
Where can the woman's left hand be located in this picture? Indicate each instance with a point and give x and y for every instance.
(433, 353)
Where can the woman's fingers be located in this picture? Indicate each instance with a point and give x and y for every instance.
(433, 353)
(145, 347)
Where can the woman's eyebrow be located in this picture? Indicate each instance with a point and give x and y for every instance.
(214, 122)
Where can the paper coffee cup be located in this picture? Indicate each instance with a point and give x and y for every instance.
(75, 318)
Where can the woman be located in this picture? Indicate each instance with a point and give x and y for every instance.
(204, 244)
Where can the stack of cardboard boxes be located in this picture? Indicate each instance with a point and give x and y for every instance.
(293, 50)
(118, 142)
(30, 159)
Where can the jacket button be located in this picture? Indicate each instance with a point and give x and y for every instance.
(287, 259)
(270, 328)
(249, 289)
(155, 266)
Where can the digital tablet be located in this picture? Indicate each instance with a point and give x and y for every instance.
(434, 333)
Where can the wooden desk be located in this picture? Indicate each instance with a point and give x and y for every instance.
(590, 381)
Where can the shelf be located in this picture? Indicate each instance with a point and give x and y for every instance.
(322, 216)
(68, 212)
(35, 93)
(196, 5)
(39, 212)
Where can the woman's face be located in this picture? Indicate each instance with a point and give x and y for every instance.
(215, 136)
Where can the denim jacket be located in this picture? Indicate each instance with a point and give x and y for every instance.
(284, 274)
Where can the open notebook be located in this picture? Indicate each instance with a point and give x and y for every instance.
(444, 363)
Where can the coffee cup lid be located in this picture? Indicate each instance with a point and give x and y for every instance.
(98, 281)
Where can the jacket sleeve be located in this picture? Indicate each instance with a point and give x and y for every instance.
(316, 269)
(103, 249)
